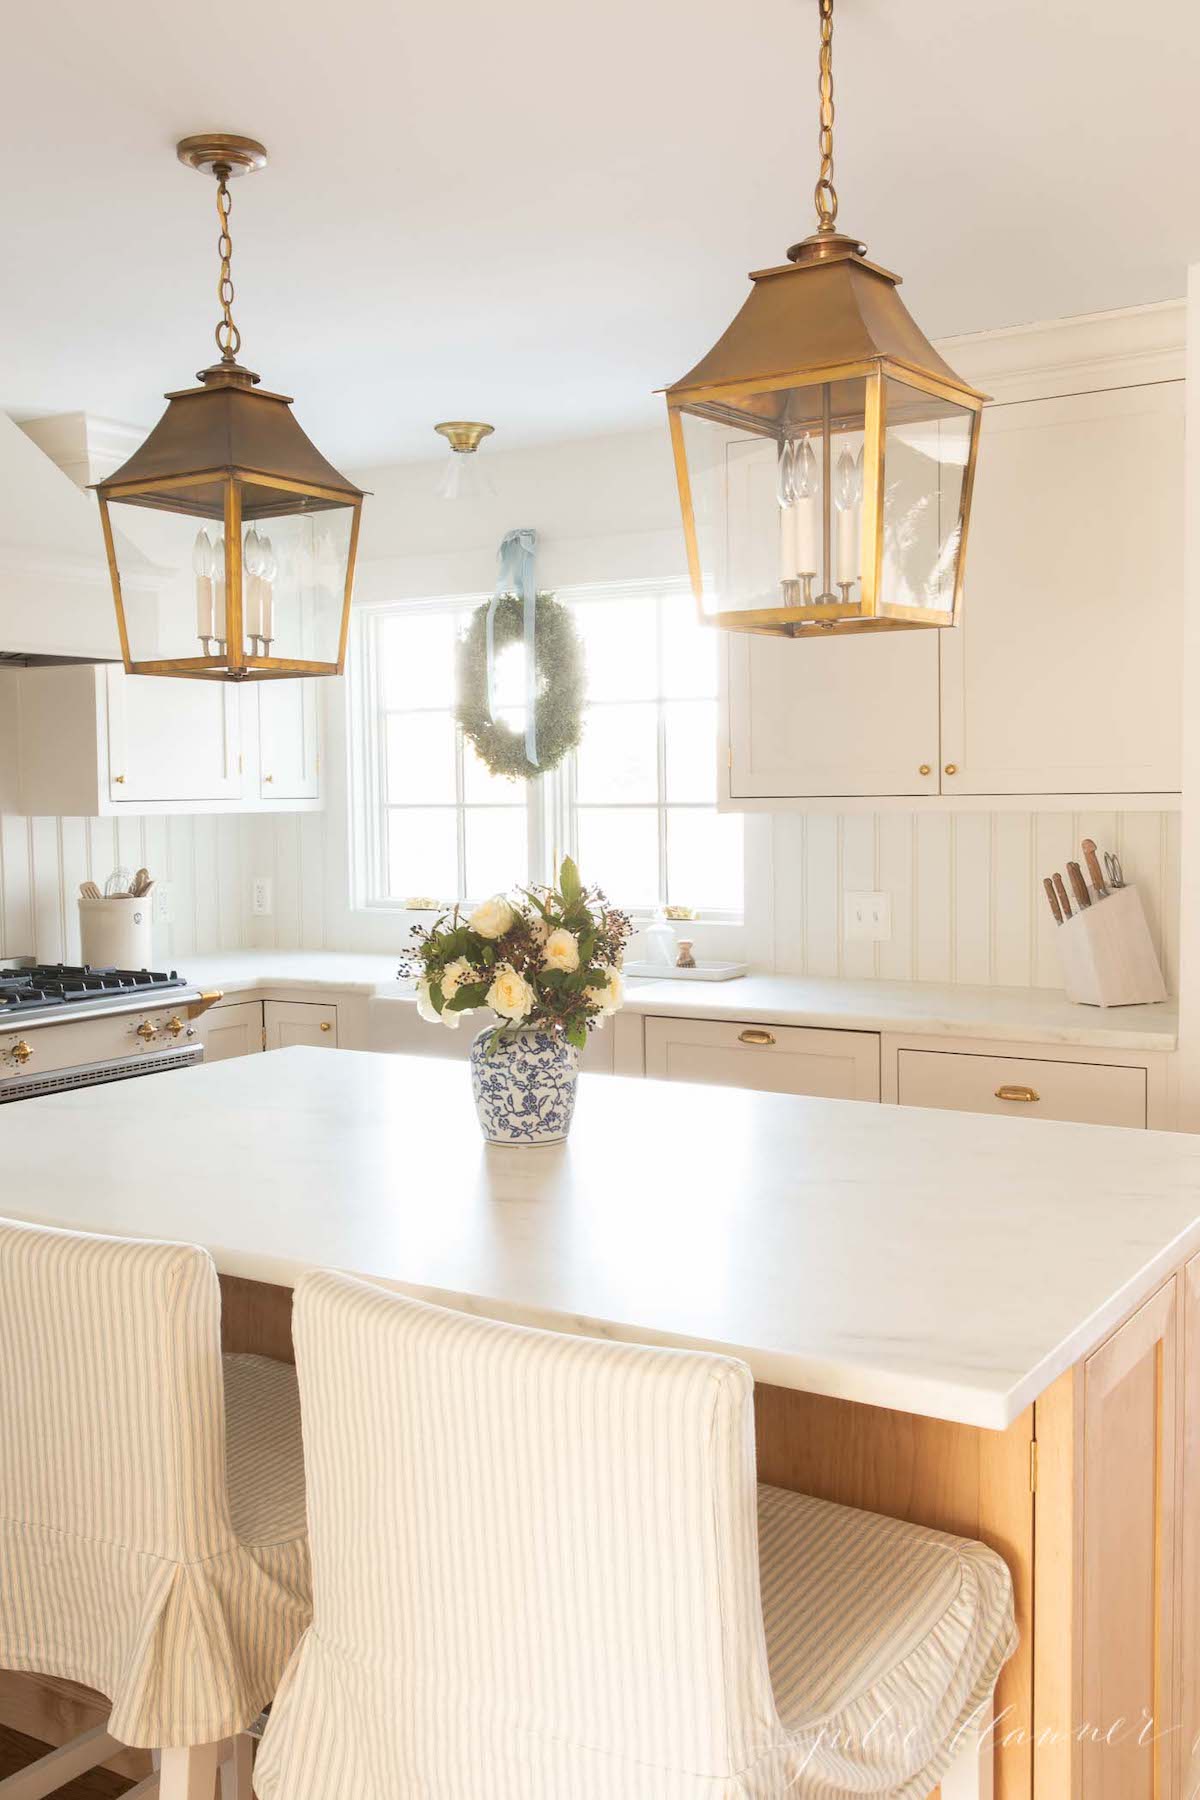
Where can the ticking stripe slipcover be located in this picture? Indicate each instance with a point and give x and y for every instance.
(152, 1529)
(536, 1567)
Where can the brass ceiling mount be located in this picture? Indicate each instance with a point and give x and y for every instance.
(222, 154)
(464, 435)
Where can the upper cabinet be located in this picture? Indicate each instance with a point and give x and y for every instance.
(94, 741)
(1062, 682)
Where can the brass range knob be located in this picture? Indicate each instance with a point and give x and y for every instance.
(145, 1030)
(21, 1051)
(174, 1026)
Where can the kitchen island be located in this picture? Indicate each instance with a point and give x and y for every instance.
(977, 1323)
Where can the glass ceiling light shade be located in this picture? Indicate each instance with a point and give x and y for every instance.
(824, 451)
(254, 533)
(464, 477)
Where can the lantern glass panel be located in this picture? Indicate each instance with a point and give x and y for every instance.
(927, 451)
(776, 486)
(170, 588)
(294, 582)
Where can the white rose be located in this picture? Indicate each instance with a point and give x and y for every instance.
(611, 996)
(510, 994)
(425, 1006)
(491, 918)
(453, 976)
(561, 951)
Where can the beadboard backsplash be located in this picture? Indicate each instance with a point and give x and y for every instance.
(966, 890)
(202, 860)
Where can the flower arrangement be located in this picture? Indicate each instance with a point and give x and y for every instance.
(548, 959)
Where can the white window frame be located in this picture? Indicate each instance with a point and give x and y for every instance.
(551, 814)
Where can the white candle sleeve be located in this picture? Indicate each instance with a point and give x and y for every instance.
(204, 606)
(250, 605)
(266, 623)
(847, 544)
(806, 562)
(787, 542)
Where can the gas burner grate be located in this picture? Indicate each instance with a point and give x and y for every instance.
(31, 989)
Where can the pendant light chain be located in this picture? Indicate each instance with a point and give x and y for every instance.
(825, 194)
(229, 338)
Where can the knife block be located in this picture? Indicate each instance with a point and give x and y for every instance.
(1107, 953)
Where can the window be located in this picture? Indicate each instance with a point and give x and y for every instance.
(635, 805)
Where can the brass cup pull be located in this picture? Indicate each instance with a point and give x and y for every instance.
(325, 1025)
(21, 1051)
(1026, 1095)
(952, 768)
(755, 1037)
(925, 769)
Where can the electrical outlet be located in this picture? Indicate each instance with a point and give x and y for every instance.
(867, 918)
(162, 910)
(262, 903)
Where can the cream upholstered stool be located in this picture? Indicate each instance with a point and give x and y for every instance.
(152, 1529)
(542, 1568)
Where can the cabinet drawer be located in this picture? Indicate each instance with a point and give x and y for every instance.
(1088, 1093)
(779, 1059)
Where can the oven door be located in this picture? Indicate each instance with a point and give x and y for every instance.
(118, 1068)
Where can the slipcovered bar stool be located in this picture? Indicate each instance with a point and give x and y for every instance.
(543, 1568)
(152, 1529)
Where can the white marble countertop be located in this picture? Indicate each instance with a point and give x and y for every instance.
(933, 1262)
(1012, 1015)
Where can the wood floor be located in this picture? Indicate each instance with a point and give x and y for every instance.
(17, 1752)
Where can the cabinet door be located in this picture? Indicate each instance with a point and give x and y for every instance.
(288, 750)
(1128, 1632)
(170, 739)
(233, 1030)
(299, 1022)
(854, 716)
(1063, 676)
(778, 1059)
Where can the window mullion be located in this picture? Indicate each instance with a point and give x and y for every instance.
(661, 709)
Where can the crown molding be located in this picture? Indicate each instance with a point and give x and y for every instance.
(85, 447)
(1131, 347)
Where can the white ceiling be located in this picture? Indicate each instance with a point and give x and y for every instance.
(537, 213)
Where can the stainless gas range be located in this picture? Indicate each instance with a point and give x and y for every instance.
(64, 1027)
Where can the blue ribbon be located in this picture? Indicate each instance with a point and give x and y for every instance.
(516, 576)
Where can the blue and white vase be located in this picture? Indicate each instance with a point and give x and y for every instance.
(525, 1090)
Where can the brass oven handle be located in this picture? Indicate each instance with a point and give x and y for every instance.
(755, 1037)
(1025, 1094)
(196, 1007)
(21, 1051)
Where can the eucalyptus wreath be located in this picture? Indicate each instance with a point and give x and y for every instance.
(558, 678)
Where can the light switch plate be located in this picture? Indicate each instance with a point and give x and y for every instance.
(867, 918)
(262, 899)
(162, 911)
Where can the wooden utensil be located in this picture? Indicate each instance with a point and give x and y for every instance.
(1093, 868)
(1061, 891)
(89, 891)
(141, 883)
(1079, 886)
(1052, 897)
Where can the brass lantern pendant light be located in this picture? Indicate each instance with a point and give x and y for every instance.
(824, 451)
(251, 551)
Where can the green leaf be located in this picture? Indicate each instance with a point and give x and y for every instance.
(435, 994)
(569, 882)
(469, 996)
(577, 1035)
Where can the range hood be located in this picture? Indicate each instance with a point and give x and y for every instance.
(56, 601)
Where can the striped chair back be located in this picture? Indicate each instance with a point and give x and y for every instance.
(535, 1563)
(111, 1396)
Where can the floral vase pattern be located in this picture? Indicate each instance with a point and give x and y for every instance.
(525, 1090)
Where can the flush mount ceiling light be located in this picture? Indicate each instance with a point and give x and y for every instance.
(824, 451)
(255, 533)
(464, 477)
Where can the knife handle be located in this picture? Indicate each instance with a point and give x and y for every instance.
(1079, 886)
(1093, 867)
(1061, 891)
(1052, 897)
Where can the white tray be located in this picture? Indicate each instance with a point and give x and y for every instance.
(703, 971)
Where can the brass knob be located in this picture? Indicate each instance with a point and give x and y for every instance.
(952, 768)
(22, 1051)
(145, 1030)
(924, 769)
(1026, 1095)
(755, 1037)
(325, 1025)
(268, 778)
(174, 1026)
(119, 778)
